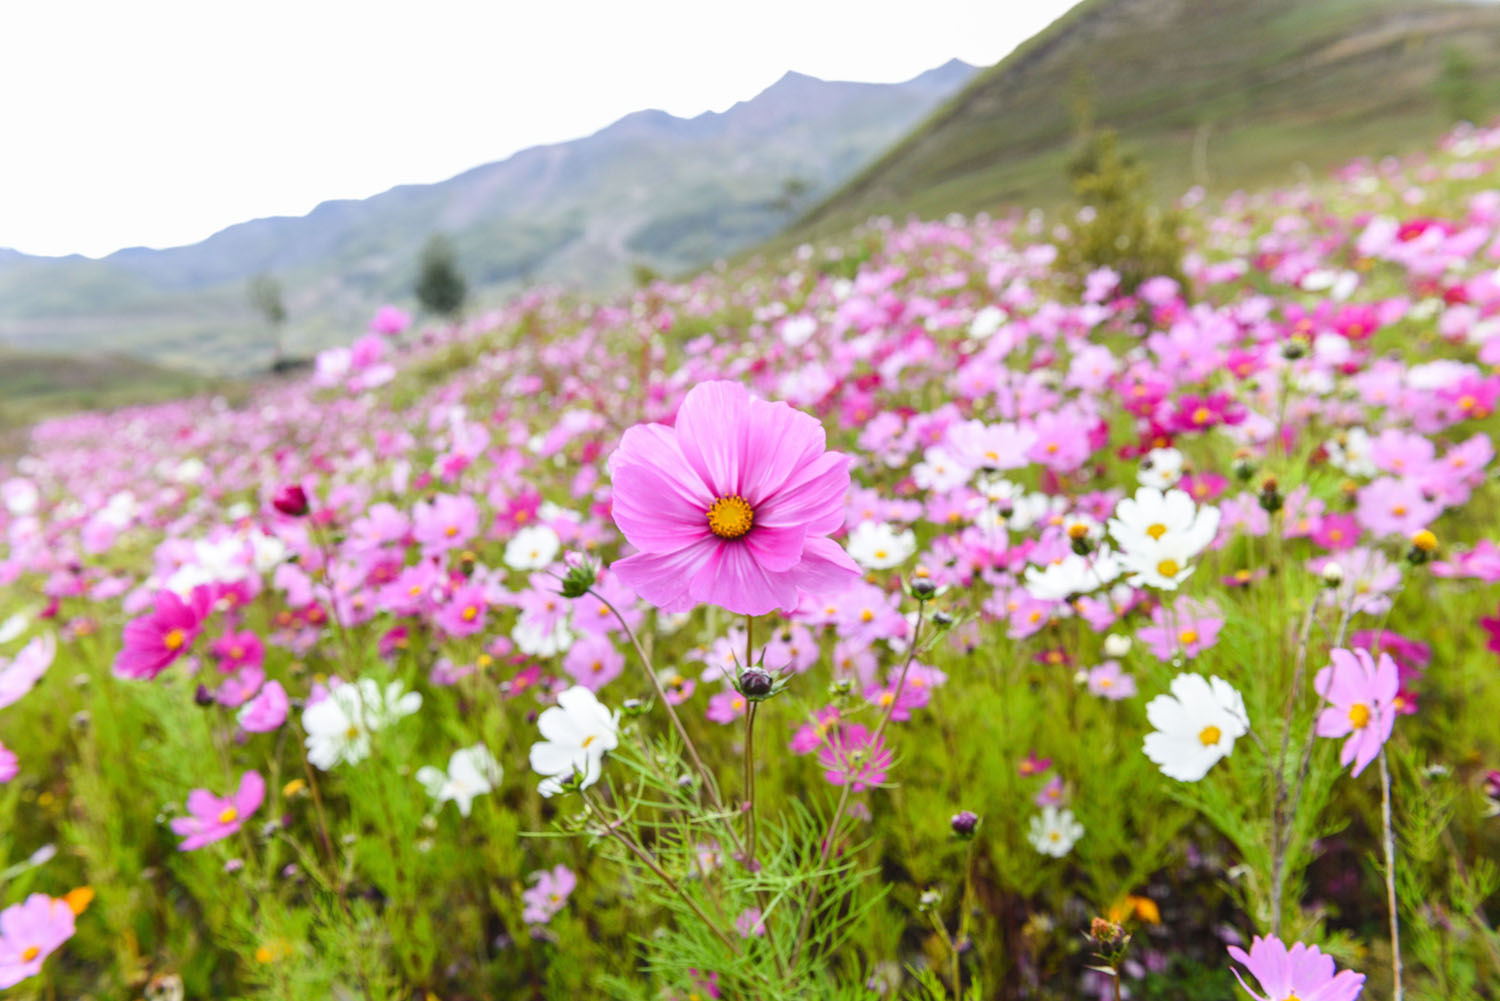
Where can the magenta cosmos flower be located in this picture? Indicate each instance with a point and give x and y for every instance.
(152, 642)
(732, 506)
(211, 818)
(29, 933)
(1362, 697)
(1301, 972)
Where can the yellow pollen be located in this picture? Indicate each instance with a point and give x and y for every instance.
(229, 816)
(1201, 415)
(886, 698)
(1399, 510)
(1188, 637)
(1077, 530)
(867, 616)
(1242, 574)
(31, 953)
(1359, 715)
(351, 733)
(1157, 530)
(597, 666)
(1054, 835)
(470, 614)
(587, 741)
(1209, 736)
(880, 554)
(730, 517)
(1053, 447)
(451, 531)
(1168, 568)
(1466, 403)
(174, 640)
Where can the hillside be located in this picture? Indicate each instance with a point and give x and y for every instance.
(654, 189)
(1225, 93)
(37, 384)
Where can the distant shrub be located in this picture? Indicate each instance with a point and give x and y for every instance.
(441, 287)
(1118, 225)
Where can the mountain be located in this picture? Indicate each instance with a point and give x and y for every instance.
(652, 189)
(1225, 93)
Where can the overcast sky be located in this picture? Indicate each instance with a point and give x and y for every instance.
(145, 122)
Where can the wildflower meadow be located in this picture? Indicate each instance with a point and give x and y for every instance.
(915, 615)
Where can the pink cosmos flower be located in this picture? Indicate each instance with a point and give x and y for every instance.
(238, 649)
(29, 933)
(852, 756)
(152, 642)
(1185, 630)
(725, 707)
(1302, 972)
(10, 765)
(266, 711)
(463, 615)
(1362, 694)
(1109, 681)
(548, 894)
(211, 818)
(810, 736)
(390, 320)
(1050, 794)
(19, 675)
(1033, 765)
(594, 661)
(732, 506)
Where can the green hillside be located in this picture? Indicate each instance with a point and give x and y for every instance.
(35, 385)
(1224, 93)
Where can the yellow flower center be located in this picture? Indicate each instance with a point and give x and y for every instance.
(31, 953)
(730, 517)
(880, 554)
(470, 613)
(1188, 637)
(1209, 736)
(1201, 415)
(1399, 510)
(587, 740)
(451, 531)
(1077, 530)
(229, 815)
(1359, 715)
(351, 733)
(1168, 568)
(174, 640)
(1157, 530)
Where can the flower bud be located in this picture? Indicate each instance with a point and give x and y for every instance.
(1270, 495)
(755, 683)
(290, 500)
(1423, 546)
(203, 697)
(1333, 574)
(964, 824)
(1116, 645)
(580, 578)
(923, 589)
(1293, 349)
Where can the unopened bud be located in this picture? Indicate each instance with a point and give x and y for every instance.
(923, 589)
(756, 683)
(1332, 574)
(290, 500)
(1116, 645)
(964, 824)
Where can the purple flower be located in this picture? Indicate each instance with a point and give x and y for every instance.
(211, 818)
(1302, 972)
(1362, 694)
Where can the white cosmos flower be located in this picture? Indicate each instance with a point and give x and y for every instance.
(340, 724)
(532, 548)
(532, 639)
(940, 472)
(1161, 468)
(472, 771)
(1159, 533)
(578, 732)
(876, 545)
(1196, 725)
(1054, 832)
(1072, 575)
(14, 627)
(1350, 453)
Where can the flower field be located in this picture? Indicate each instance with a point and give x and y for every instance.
(910, 617)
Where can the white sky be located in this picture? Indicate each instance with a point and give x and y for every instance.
(156, 123)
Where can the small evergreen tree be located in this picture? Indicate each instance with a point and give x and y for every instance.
(441, 288)
(1119, 226)
(266, 299)
(1456, 86)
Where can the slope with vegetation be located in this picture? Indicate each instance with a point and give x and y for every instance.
(1223, 93)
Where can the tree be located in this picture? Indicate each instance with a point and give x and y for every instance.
(441, 287)
(266, 299)
(1457, 87)
(1120, 227)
